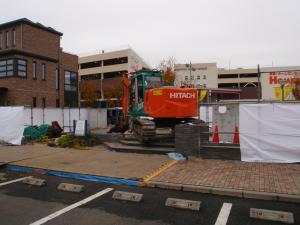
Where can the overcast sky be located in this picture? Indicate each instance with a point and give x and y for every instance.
(242, 33)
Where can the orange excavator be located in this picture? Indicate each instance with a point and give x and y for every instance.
(148, 105)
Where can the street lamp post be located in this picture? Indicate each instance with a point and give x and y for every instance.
(282, 84)
(190, 68)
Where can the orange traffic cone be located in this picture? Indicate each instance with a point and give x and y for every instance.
(216, 135)
(236, 137)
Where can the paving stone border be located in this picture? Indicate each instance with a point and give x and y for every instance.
(226, 192)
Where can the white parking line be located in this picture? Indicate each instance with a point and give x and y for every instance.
(70, 207)
(224, 214)
(13, 181)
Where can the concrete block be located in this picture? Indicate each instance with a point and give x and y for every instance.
(265, 214)
(227, 192)
(70, 187)
(195, 188)
(288, 198)
(166, 185)
(183, 204)
(34, 181)
(128, 196)
(260, 195)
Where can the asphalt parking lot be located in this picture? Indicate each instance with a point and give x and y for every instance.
(25, 204)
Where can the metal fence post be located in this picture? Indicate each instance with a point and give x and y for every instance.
(31, 115)
(69, 118)
(79, 112)
(43, 115)
(258, 84)
(63, 118)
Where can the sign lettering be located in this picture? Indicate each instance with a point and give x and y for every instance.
(182, 95)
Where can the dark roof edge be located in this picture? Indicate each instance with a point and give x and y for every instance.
(24, 53)
(68, 53)
(29, 22)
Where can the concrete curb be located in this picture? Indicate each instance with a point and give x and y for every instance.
(260, 195)
(170, 186)
(194, 188)
(226, 192)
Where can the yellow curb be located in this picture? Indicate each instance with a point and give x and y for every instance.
(158, 171)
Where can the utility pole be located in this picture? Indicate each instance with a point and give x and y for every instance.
(190, 73)
(190, 69)
(101, 78)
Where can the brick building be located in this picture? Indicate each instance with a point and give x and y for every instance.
(33, 68)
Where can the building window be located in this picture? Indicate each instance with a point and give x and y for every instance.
(44, 102)
(221, 76)
(13, 67)
(34, 76)
(198, 77)
(192, 77)
(14, 37)
(114, 74)
(228, 85)
(70, 87)
(57, 103)
(91, 77)
(186, 78)
(43, 71)
(57, 79)
(115, 61)
(1, 40)
(7, 39)
(248, 75)
(90, 64)
(33, 102)
(98, 94)
(21, 68)
(7, 68)
(70, 81)
(204, 77)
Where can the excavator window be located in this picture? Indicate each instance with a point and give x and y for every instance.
(152, 82)
(140, 89)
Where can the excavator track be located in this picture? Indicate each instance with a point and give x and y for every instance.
(143, 129)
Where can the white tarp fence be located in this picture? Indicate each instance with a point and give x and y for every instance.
(270, 132)
(97, 118)
(11, 124)
(13, 120)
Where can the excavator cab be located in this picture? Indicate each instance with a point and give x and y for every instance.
(140, 82)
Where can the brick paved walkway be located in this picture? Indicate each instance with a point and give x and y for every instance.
(263, 177)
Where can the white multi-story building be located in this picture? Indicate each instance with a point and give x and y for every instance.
(196, 74)
(110, 64)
